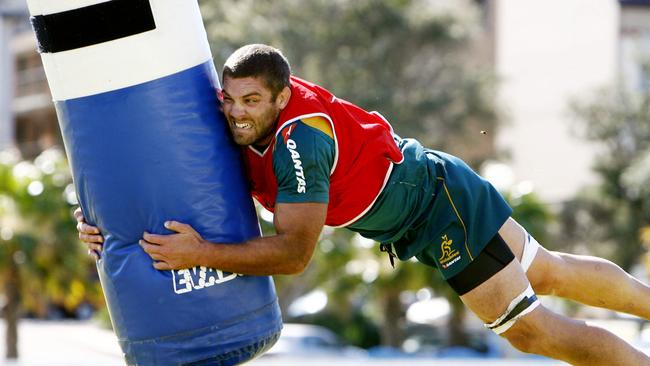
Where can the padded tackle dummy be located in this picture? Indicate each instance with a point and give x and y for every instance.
(134, 88)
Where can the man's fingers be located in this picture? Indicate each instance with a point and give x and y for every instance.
(178, 227)
(151, 249)
(161, 266)
(155, 254)
(82, 227)
(96, 247)
(155, 238)
(89, 229)
(78, 215)
(93, 254)
(158, 257)
(88, 238)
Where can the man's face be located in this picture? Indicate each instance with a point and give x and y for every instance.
(250, 109)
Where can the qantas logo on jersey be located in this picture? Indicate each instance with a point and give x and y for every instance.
(297, 165)
(287, 132)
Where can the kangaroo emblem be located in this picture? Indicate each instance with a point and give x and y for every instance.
(447, 252)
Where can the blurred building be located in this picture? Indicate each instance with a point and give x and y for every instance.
(10, 16)
(549, 53)
(27, 116)
(634, 44)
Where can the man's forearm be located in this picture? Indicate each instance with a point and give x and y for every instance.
(269, 255)
(298, 226)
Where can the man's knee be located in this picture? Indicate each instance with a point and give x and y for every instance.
(528, 334)
(546, 273)
(545, 284)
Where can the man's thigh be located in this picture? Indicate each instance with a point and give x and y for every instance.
(491, 298)
(514, 235)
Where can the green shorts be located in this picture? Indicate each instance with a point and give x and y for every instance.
(465, 217)
(436, 208)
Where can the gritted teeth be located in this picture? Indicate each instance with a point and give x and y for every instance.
(243, 125)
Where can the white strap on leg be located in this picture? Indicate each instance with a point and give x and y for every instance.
(530, 250)
(523, 304)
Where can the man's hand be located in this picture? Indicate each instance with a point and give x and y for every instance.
(174, 251)
(89, 235)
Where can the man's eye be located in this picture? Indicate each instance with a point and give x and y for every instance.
(251, 101)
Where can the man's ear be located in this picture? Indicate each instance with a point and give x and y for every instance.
(219, 93)
(283, 98)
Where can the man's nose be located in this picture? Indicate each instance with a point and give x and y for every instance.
(237, 110)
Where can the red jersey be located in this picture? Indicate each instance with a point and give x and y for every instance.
(365, 153)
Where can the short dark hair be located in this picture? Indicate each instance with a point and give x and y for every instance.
(259, 60)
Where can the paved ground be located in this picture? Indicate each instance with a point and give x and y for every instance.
(63, 344)
(401, 362)
(77, 343)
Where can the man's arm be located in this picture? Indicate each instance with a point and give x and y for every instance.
(298, 226)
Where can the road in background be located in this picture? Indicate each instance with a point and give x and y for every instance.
(83, 343)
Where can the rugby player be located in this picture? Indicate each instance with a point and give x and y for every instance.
(314, 159)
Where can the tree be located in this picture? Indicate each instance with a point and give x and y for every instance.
(608, 217)
(412, 61)
(41, 261)
(534, 215)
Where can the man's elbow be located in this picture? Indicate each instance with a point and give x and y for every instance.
(298, 250)
(296, 266)
(297, 263)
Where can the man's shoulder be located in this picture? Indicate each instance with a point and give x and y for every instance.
(304, 130)
(319, 124)
(307, 141)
